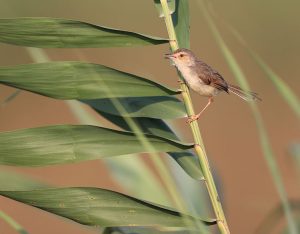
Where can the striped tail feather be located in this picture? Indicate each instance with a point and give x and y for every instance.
(246, 95)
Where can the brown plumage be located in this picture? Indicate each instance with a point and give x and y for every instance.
(205, 80)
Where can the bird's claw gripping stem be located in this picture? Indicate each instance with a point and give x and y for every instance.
(192, 118)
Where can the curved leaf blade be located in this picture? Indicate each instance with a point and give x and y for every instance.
(99, 207)
(164, 107)
(187, 160)
(63, 33)
(74, 143)
(77, 80)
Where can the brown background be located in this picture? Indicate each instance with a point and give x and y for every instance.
(228, 128)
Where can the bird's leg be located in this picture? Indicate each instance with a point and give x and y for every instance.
(196, 117)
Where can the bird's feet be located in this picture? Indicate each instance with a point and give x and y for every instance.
(192, 118)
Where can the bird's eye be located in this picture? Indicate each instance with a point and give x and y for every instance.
(181, 55)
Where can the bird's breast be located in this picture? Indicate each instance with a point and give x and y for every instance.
(196, 84)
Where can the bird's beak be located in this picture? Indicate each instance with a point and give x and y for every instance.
(169, 56)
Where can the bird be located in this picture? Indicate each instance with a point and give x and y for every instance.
(204, 79)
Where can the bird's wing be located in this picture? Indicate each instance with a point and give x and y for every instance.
(211, 77)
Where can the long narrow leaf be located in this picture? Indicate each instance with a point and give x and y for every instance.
(73, 143)
(63, 33)
(77, 80)
(99, 207)
(182, 26)
(185, 159)
(145, 230)
(164, 107)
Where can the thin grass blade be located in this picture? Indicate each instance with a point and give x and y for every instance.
(10, 98)
(14, 224)
(265, 143)
(286, 92)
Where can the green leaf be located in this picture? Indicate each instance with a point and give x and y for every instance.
(73, 143)
(164, 107)
(99, 207)
(77, 80)
(171, 4)
(63, 33)
(187, 160)
(181, 21)
(146, 230)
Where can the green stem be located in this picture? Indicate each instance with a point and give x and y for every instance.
(199, 148)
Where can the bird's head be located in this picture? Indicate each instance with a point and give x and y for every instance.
(182, 57)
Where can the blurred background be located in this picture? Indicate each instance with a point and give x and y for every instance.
(271, 28)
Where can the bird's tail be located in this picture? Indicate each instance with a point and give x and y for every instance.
(246, 95)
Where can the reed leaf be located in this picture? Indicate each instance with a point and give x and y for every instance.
(163, 107)
(78, 80)
(145, 230)
(186, 159)
(74, 143)
(100, 207)
(63, 33)
(181, 21)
